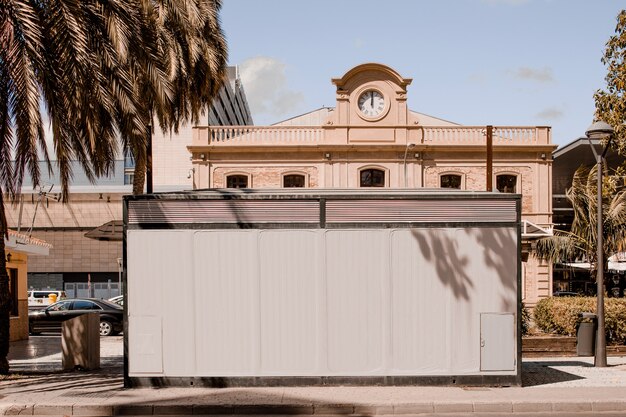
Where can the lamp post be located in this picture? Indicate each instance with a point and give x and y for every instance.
(119, 271)
(406, 150)
(600, 130)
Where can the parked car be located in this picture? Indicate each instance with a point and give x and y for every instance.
(51, 317)
(565, 294)
(41, 298)
(118, 300)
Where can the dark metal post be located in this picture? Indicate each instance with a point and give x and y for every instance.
(149, 160)
(489, 158)
(600, 356)
(600, 130)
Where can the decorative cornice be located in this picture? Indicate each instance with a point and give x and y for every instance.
(372, 66)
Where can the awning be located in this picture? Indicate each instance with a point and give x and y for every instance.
(617, 263)
(110, 231)
(18, 242)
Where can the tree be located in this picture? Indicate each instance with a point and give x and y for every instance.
(91, 67)
(58, 57)
(611, 103)
(197, 65)
(581, 241)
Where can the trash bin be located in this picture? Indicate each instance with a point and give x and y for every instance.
(52, 298)
(586, 334)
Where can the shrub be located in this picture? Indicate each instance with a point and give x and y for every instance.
(560, 315)
(525, 320)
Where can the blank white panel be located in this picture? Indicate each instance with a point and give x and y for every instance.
(419, 304)
(227, 302)
(159, 264)
(289, 301)
(152, 255)
(356, 272)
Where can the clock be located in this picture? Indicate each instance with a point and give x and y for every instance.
(371, 103)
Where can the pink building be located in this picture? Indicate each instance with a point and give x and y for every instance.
(371, 139)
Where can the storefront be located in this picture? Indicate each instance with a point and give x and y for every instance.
(18, 248)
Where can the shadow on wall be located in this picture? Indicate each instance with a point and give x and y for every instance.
(451, 261)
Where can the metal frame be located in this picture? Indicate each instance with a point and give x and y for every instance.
(322, 196)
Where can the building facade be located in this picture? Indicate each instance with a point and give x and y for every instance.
(371, 139)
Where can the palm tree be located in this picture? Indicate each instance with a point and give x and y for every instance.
(581, 241)
(91, 67)
(196, 65)
(57, 57)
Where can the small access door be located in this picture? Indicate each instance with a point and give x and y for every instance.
(497, 342)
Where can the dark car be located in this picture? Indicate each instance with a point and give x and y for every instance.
(565, 294)
(51, 317)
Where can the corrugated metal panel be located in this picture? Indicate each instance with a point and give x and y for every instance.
(420, 211)
(223, 211)
(226, 281)
(290, 295)
(357, 307)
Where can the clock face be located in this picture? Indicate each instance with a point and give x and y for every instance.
(371, 103)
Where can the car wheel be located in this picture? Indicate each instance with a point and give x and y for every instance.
(31, 331)
(106, 328)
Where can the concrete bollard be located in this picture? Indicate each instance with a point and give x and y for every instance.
(80, 342)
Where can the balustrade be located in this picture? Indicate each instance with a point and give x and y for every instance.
(428, 135)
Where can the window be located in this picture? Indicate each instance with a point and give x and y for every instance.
(450, 181)
(13, 291)
(237, 181)
(85, 305)
(129, 177)
(506, 183)
(372, 178)
(293, 181)
(62, 306)
(129, 161)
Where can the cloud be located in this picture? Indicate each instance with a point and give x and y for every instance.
(477, 78)
(542, 75)
(265, 83)
(550, 113)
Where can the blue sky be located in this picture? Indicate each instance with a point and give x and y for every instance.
(474, 62)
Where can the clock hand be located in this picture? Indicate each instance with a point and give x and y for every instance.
(372, 98)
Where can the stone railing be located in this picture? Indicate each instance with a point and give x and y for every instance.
(476, 135)
(263, 135)
(315, 135)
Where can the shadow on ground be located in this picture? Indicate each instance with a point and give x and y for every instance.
(544, 373)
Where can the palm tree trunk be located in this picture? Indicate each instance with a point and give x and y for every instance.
(5, 297)
(139, 178)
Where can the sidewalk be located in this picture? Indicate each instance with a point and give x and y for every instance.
(38, 386)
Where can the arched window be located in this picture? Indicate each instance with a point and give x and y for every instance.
(237, 181)
(293, 181)
(372, 177)
(506, 183)
(450, 181)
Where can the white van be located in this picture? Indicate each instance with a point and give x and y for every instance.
(41, 298)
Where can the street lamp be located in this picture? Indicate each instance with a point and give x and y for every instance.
(600, 130)
(119, 271)
(406, 150)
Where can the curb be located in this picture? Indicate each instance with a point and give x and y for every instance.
(315, 409)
